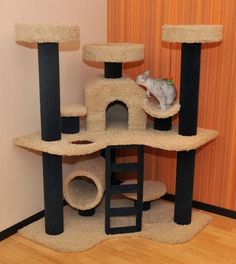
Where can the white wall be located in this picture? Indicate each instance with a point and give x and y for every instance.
(21, 189)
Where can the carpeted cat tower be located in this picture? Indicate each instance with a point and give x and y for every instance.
(116, 111)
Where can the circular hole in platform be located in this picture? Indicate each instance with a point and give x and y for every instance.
(83, 191)
(82, 142)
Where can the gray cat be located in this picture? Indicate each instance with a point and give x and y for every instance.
(164, 91)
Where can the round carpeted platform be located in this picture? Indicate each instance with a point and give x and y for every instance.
(151, 106)
(113, 52)
(192, 33)
(47, 33)
(152, 190)
(82, 233)
(73, 110)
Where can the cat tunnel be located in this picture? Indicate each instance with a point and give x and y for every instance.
(84, 186)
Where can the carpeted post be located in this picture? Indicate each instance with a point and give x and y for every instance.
(113, 70)
(189, 87)
(48, 57)
(70, 124)
(163, 124)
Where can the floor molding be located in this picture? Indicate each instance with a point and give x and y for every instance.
(13, 229)
(169, 197)
(206, 207)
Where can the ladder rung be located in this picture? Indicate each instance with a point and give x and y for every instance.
(121, 230)
(116, 167)
(123, 211)
(125, 188)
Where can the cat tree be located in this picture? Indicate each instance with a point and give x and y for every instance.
(116, 111)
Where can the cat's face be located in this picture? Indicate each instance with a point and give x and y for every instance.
(142, 78)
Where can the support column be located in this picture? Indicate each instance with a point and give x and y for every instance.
(189, 89)
(113, 70)
(163, 124)
(70, 124)
(48, 56)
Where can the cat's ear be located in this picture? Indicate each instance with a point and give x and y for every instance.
(146, 74)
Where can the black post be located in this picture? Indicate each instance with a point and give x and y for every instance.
(113, 70)
(189, 89)
(70, 124)
(53, 196)
(163, 124)
(140, 178)
(48, 55)
(184, 187)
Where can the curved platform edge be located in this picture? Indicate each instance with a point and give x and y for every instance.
(46, 33)
(152, 108)
(87, 142)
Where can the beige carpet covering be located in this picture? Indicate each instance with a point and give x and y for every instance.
(113, 52)
(192, 33)
(73, 110)
(84, 186)
(43, 33)
(82, 233)
(152, 107)
(167, 140)
(101, 92)
(152, 190)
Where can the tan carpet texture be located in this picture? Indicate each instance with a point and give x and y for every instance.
(152, 190)
(101, 92)
(43, 33)
(73, 110)
(166, 140)
(152, 107)
(192, 33)
(82, 233)
(84, 186)
(113, 52)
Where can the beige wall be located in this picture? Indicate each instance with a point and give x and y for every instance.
(21, 190)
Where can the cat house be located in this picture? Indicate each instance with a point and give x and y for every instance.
(114, 103)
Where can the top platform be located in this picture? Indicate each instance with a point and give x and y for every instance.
(192, 33)
(46, 33)
(113, 52)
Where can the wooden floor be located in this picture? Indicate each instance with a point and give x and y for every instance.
(215, 244)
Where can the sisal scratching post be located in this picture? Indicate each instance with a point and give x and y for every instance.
(84, 186)
(191, 37)
(48, 37)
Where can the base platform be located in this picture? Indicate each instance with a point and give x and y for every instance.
(82, 233)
